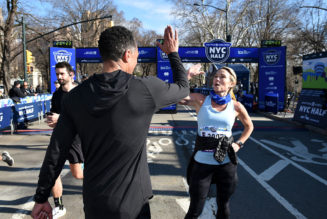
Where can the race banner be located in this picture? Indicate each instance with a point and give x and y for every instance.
(187, 55)
(164, 71)
(312, 107)
(192, 54)
(60, 55)
(147, 55)
(5, 117)
(272, 74)
(88, 55)
(25, 112)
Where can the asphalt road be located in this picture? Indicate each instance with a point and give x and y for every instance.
(282, 171)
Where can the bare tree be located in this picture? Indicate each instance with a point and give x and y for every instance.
(147, 39)
(312, 28)
(6, 43)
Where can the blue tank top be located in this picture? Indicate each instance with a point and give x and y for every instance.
(212, 123)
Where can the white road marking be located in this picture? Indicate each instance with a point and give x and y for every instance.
(317, 140)
(185, 185)
(181, 139)
(21, 213)
(318, 178)
(299, 150)
(184, 203)
(273, 192)
(155, 148)
(27, 206)
(209, 209)
(272, 171)
(165, 141)
(323, 149)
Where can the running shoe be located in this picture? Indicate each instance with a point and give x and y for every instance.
(58, 212)
(7, 158)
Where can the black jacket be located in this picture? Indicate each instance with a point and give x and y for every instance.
(15, 94)
(112, 113)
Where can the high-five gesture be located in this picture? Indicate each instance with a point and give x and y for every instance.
(170, 43)
(194, 70)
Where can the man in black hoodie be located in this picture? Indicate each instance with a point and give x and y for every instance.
(111, 112)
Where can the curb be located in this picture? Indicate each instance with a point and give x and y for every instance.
(290, 121)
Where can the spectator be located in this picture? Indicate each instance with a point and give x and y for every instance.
(25, 89)
(31, 89)
(15, 92)
(38, 89)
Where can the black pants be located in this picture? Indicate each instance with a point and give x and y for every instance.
(200, 181)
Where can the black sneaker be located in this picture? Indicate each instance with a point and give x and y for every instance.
(7, 158)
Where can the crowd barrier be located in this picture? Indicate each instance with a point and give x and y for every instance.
(271, 102)
(202, 90)
(29, 109)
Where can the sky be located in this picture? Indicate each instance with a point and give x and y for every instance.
(155, 15)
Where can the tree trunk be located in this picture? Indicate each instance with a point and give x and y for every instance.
(7, 41)
(5, 65)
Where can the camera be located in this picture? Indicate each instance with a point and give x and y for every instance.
(161, 41)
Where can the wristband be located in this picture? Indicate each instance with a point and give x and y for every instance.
(240, 144)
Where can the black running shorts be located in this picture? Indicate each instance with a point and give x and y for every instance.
(75, 153)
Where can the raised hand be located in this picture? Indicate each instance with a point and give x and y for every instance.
(170, 41)
(194, 70)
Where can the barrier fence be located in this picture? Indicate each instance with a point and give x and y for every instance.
(34, 108)
(29, 109)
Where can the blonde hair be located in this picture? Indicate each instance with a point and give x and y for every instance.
(233, 79)
(231, 72)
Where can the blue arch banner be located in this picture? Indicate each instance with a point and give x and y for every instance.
(272, 64)
(187, 54)
(60, 55)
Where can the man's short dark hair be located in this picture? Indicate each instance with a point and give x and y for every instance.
(16, 83)
(64, 65)
(114, 42)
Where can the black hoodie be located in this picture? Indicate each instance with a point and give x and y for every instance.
(112, 113)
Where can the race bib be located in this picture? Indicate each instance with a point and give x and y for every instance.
(211, 131)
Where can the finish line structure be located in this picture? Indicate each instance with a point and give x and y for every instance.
(271, 61)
